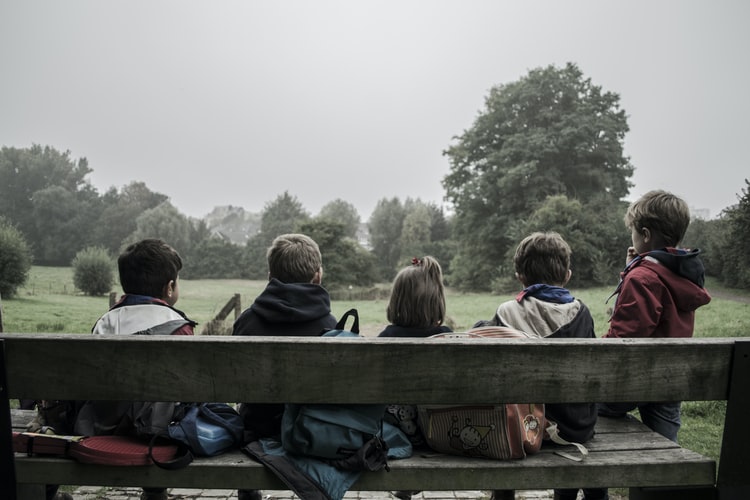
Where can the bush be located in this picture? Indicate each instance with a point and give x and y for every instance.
(15, 259)
(93, 271)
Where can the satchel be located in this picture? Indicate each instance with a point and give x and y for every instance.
(500, 432)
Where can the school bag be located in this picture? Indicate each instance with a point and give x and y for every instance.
(350, 437)
(500, 432)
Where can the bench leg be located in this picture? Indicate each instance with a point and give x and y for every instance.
(707, 493)
(31, 491)
(7, 461)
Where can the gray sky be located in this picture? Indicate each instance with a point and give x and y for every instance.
(234, 102)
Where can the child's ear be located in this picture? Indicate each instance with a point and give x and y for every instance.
(519, 277)
(168, 290)
(567, 277)
(318, 277)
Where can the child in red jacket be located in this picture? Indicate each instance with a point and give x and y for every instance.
(659, 291)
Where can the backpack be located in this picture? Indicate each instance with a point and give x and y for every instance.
(200, 429)
(500, 432)
(350, 437)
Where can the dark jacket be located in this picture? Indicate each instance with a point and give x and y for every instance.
(282, 309)
(287, 309)
(406, 332)
(658, 295)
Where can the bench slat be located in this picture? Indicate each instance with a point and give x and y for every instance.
(546, 470)
(365, 370)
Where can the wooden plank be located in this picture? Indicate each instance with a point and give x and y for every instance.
(734, 480)
(305, 369)
(600, 469)
(7, 464)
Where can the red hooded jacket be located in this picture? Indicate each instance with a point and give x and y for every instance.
(658, 295)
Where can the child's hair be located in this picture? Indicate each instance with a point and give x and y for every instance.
(661, 212)
(294, 258)
(146, 267)
(418, 295)
(542, 257)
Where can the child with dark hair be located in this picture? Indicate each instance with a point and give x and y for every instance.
(544, 308)
(148, 272)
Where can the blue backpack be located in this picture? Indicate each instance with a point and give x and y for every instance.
(350, 437)
(201, 429)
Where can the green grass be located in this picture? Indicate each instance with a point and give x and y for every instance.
(49, 303)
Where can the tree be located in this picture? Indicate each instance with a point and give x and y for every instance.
(214, 258)
(595, 232)
(343, 212)
(345, 262)
(24, 175)
(63, 223)
(285, 214)
(551, 133)
(167, 223)
(385, 226)
(736, 259)
(15, 259)
(93, 271)
(119, 212)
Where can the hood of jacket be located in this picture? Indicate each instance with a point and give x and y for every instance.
(291, 302)
(684, 279)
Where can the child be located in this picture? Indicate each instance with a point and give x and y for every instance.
(544, 308)
(659, 291)
(416, 309)
(417, 304)
(293, 303)
(148, 273)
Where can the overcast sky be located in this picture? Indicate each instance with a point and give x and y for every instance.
(234, 102)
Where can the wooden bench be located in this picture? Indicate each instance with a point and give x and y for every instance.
(371, 370)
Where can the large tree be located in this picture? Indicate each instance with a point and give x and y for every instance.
(550, 133)
(32, 177)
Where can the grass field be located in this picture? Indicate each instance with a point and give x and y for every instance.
(49, 303)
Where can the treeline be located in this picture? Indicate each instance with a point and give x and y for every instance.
(545, 154)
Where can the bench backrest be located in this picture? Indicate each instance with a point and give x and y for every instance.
(365, 370)
(371, 370)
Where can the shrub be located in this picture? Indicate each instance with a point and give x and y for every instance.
(15, 259)
(93, 271)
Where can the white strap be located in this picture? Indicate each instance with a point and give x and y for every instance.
(555, 437)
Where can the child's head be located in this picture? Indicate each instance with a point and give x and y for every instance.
(418, 295)
(543, 258)
(295, 258)
(150, 267)
(660, 218)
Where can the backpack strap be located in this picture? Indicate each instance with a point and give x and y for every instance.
(181, 460)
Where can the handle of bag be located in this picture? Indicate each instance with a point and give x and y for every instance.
(341, 325)
(554, 435)
(183, 458)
